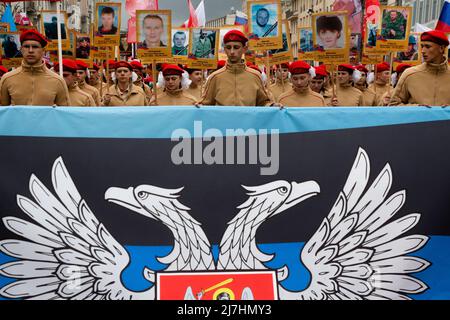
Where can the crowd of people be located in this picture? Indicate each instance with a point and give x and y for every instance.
(234, 83)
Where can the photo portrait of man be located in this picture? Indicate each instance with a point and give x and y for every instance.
(204, 44)
(107, 19)
(51, 28)
(10, 47)
(152, 31)
(306, 40)
(329, 32)
(179, 46)
(412, 53)
(264, 22)
(393, 25)
(83, 48)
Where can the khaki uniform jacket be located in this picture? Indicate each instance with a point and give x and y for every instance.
(174, 98)
(135, 98)
(79, 98)
(33, 86)
(148, 92)
(369, 96)
(235, 85)
(101, 87)
(93, 91)
(380, 90)
(305, 98)
(347, 96)
(195, 92)
(277, 89)
(425, 84)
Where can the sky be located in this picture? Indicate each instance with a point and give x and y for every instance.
(214, 8)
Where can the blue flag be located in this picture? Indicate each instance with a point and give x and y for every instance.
(8, 18)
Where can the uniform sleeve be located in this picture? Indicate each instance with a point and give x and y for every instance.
(263, 98)
(401, 95)
(90, 101)
(4, 93)
(62, 96)
(97, 98)
(208, 96)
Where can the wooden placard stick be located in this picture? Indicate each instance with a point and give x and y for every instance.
(107, 72)
(280, 71)
(391, 58)
(154, 75)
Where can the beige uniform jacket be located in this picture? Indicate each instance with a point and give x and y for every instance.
(235, 85)
(174, 98)
(304, 98)
(33, 86)
(134, 97)
(425, 84)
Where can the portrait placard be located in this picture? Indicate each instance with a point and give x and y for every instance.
(265, 27)
(371, 59)
(394, 28)
(10, 49)
(82, 46)
(153, 34)
(203, 48)
(306, 50)
(108, 16)
(284, 54)
(331, 37)
(49, 25)
(413, 54)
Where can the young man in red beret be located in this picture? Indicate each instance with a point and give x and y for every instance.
(33, 84)
(82, 74)
(78, 98)
(282, 83)
(318, 82)
(301, 95)
(123, 92)
(346, 94)
(382, 82)
(96, 80)
(369, 95)
(138, 69)
(174, 94)
(426, 84)
(235, 84)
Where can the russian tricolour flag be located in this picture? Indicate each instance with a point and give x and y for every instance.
(444, 20)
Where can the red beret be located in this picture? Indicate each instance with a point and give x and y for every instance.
(81, 65)
(402, 67)
(68, 65)
(284, 66)
(324, 68)
(436, 36)
(221, 64)
(362, 68)
(346, 67)
(235, 35)
(111, 63)
(172, 69)
(137, 65)
(95, 67)
(3, 69)
(123, 64)
(384, 66)
(299, 67)
(321, 72)
(34, 35)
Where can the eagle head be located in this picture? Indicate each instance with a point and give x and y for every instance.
(147, 200)
(278, 196)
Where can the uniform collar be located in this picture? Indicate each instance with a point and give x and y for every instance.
(174, 93)
(303, 91)
(438, 68)
(236, 67)
(40, 67)
(73, 86)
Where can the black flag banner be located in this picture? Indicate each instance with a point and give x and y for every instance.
(224, 203)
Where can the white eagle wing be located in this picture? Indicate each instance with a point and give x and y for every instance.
(67, 253)
(358, 252)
